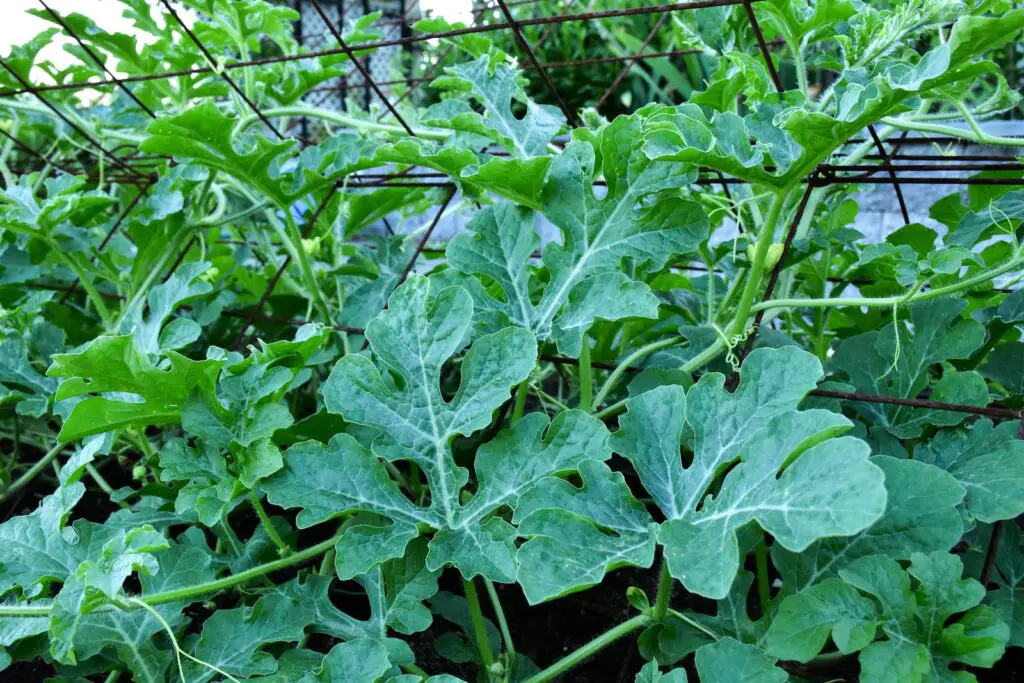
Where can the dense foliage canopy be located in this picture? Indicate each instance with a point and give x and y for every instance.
(261, 424)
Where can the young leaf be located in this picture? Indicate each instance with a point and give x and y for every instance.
(730, 660)
(987, 461)
(130, 633)
(358, 660)
(804, 622)
(896, 362)
(495, 87)
(923, 641)
(116, 364)
(145, 320)
(650, 674)
(19, 382)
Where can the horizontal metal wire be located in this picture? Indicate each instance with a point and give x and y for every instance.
(372, 45)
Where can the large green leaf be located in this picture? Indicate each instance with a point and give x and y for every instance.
(794, 137)
(1005, 366)
(1002, 216)
(784, 464)
(417, 334)
(395, 591)
(729, 660)
(584, 274)
(232, 639)
(205, 135)
(921, 516)
(1008, 596)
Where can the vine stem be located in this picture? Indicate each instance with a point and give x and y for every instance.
(665, 585)
(477, 617)
(628, 361)
(188, 592)
(87, 285)
(267, 526)
(888, 301)
(690, 366)
(764, 241)
(698, 361)
(590, 649)
(520, 405)
(586, 377)
(952, 131)
(506, 634)
(340, 119)
(32, 472)
(763, 589)
(194, 591)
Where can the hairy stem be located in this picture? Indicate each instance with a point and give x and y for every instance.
(951, 131)
(199, 589)
(87, 284)
(341, 120)
(282, 547)
(499, 613)
(889, 301)
(586, 377)
(520, 405)
(477, 616)
(628, 361)
(593, 647)
(665, 585)
(22, 481)
(764, 240)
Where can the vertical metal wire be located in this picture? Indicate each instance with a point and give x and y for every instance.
(359, 67)
(629, 64)
(569, 115)
(223, 72)
(257, 309)
(95, 58)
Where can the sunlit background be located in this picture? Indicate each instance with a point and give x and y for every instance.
(17, 26)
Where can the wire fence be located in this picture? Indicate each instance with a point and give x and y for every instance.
(893, 168)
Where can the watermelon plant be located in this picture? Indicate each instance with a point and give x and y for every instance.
(654, 409)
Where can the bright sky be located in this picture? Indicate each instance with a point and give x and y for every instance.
(17, 26)
(452, 10)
